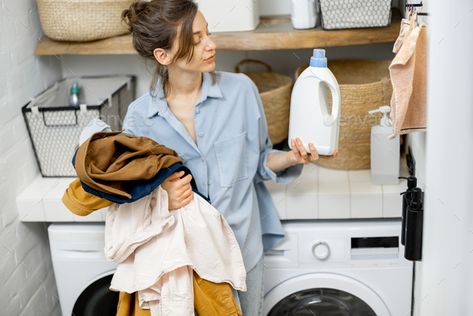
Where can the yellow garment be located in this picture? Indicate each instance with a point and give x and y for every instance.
(214, 299)
(210, 299)
(128, 305)
(81, 202)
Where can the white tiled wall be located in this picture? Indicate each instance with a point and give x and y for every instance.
(26, 276)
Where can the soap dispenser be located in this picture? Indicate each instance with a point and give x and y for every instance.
(385, 154)
(406, 200)
(414, 226)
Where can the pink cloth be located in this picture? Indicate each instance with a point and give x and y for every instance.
(156, 251)
(408, 72)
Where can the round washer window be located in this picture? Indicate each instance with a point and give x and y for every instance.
(321, 302)
(97, 300)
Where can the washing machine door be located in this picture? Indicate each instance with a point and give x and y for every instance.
(97, 299)
(323, 294)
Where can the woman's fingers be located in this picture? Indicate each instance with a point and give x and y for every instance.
(295, 151)
(301, 149)
(300, 155)
(180, 184)
(187, 179)
(177, 201)
(314, 155)
(179, 190)
(175, 176)
(187, 200)
(185, 192)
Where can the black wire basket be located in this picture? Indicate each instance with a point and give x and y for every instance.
(54, 126)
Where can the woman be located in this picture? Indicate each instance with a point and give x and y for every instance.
(215, 122)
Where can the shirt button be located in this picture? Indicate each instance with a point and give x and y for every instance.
(200, 134)
(197, 111)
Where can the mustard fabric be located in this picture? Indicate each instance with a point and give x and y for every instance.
(81, 202)
(214, 299)
(210, 299)
(128, 305)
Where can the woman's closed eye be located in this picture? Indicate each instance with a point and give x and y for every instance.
(198, 39)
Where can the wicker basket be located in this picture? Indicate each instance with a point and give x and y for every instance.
(275, 91)
(82, 20)
(364, 85)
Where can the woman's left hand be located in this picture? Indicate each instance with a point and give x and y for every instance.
(299, 155)
(278, 161)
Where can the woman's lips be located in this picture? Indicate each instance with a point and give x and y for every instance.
(211, 59)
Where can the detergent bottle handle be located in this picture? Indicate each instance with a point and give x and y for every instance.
(332, 118)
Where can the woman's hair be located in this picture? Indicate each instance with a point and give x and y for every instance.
(155, 24)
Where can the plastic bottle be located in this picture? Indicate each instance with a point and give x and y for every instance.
(304, 14)
(74, 94)
(384, 151)
(309, 117)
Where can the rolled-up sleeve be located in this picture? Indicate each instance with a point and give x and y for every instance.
(264, 173)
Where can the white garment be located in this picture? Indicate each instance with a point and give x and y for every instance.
(150, 244)
(176, 294)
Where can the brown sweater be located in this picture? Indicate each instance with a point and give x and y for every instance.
(107, 160)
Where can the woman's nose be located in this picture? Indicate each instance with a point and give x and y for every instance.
(210, 45)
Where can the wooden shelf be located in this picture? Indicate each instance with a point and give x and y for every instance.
(273, 33)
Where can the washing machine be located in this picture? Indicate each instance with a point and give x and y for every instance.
(338, 267)
(83, 275)
(322, 268)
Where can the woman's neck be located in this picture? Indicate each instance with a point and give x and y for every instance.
(183, 83)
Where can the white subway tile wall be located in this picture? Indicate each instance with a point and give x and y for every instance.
(26, 275)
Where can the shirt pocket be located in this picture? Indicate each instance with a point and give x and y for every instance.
(232, 159)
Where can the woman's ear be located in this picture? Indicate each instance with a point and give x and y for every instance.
(162, 56)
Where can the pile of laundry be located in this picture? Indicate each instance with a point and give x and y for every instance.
(180, 262)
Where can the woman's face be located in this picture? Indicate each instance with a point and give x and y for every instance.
(203, 59)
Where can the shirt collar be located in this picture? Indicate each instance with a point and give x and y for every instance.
(159, 104)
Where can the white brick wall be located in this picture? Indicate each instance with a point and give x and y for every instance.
(26, 275)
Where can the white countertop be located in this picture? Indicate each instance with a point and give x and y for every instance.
(317, 193)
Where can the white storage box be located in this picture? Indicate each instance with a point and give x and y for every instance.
(230, 15)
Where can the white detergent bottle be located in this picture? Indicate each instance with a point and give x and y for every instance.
(310, 119)
(385, 153)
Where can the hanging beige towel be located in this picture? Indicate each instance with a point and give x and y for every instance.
(408, 72)
(407, 25)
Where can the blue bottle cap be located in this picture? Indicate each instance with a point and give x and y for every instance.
(318, 58)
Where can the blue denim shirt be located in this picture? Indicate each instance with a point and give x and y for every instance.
(228, 158)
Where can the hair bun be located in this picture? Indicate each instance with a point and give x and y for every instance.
(130, 15)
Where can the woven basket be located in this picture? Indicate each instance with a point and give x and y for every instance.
(364, 85)
(82, 20)
(275, 91)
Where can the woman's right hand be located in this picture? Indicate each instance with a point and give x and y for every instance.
(179, 190)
